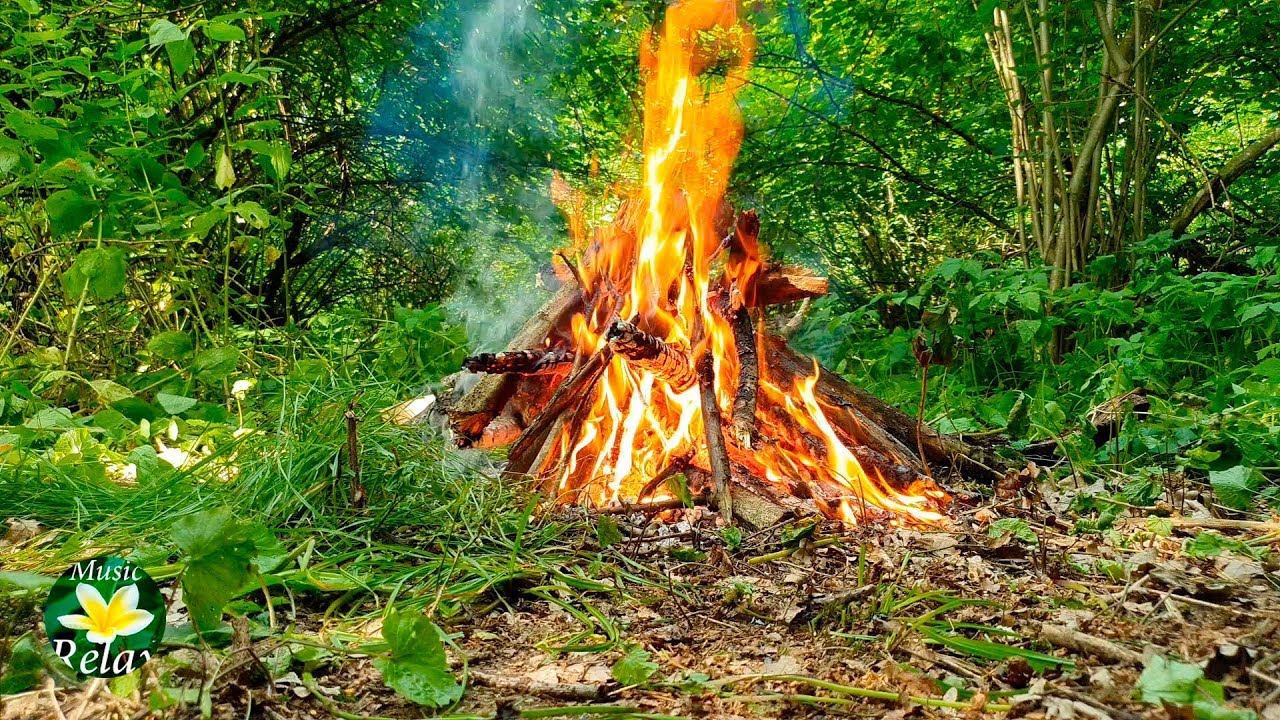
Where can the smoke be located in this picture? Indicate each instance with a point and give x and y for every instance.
(476, 111)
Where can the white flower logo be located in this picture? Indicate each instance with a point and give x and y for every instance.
(104, 620)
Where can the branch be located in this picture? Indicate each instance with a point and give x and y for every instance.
(1207, 195)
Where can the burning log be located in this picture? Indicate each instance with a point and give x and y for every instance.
(528, 449)
(475, 409)
(519, 362)
(650, 353)
(781, 284)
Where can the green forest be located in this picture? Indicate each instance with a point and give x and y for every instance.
(535, 358)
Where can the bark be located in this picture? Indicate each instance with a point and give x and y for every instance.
(717, 454)
(519, 362)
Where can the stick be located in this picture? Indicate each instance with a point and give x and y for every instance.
(519, 362)
(744, 401)
(525, 686)
(1088, 644)
(353, 455)
(717, 455)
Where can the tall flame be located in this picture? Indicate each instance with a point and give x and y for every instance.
(653, 266)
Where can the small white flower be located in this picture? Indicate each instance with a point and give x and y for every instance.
(240, 388)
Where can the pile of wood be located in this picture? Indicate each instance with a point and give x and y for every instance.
(530, 391)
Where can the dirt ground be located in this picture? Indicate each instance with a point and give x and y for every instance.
(865, 624)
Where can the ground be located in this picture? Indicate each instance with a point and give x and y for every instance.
(987, 617)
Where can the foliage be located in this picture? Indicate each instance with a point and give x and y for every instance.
(415, 665)
(1170, 682)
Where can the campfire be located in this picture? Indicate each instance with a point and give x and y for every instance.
(655, 363)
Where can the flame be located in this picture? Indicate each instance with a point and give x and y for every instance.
(661, 264)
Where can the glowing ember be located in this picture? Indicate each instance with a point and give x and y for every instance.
(665, 267)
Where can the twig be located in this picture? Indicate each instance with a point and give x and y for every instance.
(1088, 644)
(353, 455)
(526, 686)
(53, 698)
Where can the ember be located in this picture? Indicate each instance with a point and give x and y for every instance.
(662, 317)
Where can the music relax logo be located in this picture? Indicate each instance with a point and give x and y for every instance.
(104, 617)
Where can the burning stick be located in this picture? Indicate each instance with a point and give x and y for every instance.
(519, 362)
(650, 353)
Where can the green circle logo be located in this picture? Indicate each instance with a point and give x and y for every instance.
(104, 617)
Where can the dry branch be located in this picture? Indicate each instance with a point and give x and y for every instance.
(650, 353)
(519, 362)
(744, 401)
(780, 284)
(717, 454)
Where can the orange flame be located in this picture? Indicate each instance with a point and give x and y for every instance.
(653, 266)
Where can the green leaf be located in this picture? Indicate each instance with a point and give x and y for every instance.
(225, 176)
(416, 666)
(223, 31)
(1015, 527)
(103, 270)
(171, 345)
(223, 554)
(163, 32)
(254, 214)
(182, 55)
(24, 667)
(175, 404)
(634, 668)
(1164, 680)
(110, 391)
(30, 7)
(67, 211)
(214, 364)
(51, 419)
(607, 531)
(1236, 487)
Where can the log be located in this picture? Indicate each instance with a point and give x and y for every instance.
(502, 430)
(575, 390)
(652, 354)
(519, 362)
(880, 425)
(781, 284)
(744, 401)
(475, 409)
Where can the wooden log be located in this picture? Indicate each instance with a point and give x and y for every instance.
(744, 401)
(519, 362)
(780, 284)
(877, 421)
(650, 353)
(502, 430)
(477, 407)
(574, 390)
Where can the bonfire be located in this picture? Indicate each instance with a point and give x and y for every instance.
(654, 369)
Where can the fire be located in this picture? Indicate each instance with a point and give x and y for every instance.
(663, 266)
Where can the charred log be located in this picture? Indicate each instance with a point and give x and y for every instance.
(652, 354)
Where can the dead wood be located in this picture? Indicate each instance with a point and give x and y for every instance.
(651, 353)
(781, 284)
(574, 390)
(717, 455)
(528, 686)
(744, 401)
(519, 362)
(1065, 637)
(475, 409)
(502, 430)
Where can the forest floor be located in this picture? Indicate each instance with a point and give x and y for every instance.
(1155, 617)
